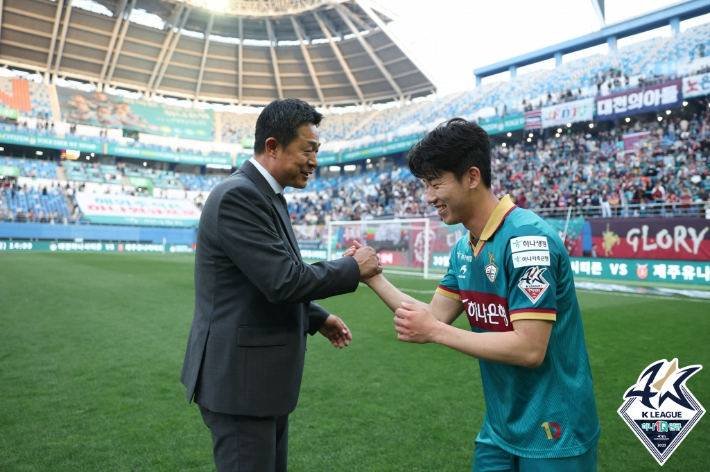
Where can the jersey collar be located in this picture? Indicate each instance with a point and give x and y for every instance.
(504, 207)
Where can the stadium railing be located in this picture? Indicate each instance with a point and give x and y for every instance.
(631, 210)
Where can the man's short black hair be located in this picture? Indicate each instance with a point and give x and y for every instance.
(281, 119)
(453, 146)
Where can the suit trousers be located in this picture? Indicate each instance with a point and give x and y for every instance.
(248, 443)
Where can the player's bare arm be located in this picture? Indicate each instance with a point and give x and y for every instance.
(525, 346)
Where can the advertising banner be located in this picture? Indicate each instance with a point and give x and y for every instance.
(504, 125)
(9, 113)
(533, 120)
(49, 142)
(9, 171)
(170, 156)
(570, 112)
(652, 238)
(73, 246)
(138, 211)
(632, 102)
(327, 159)
(696, 85)
(379, 150)
(109, 111)
(642, 269)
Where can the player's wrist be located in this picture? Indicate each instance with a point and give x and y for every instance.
(437, 334)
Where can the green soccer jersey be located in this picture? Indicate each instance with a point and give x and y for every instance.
(519, 269)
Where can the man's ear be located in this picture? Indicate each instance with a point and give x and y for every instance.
(473, 177)
(271, 145)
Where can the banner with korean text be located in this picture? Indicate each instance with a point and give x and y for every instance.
(632, 102)
(696, 85)
(504, 125)
(137, 211)
(570, 112)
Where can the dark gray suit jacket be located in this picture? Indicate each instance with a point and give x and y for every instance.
(253, 301)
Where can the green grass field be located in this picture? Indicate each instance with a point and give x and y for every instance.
(91, 347)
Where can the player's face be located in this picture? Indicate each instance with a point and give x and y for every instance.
(448, 195)
(298, 160)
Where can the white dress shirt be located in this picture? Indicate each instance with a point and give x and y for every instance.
(269, 178)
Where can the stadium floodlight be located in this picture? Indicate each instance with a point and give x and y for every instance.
(529, 140)
(569, 125)
(39, 153)
(668, 112)
(510, 134)
(88, 158)
(530, 135)
(334, 168)
(503, 144)
(685, 104)
(145, 164)
(559, 130)
(628, 120)
(591, 125)
(557, 135)
(660, 118)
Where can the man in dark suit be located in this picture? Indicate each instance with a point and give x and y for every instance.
(254, 296)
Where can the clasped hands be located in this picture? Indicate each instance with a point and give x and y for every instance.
(413, 323)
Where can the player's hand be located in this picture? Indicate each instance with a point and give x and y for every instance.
(336, 331)
(351, 250)
(414, 324)
(368, 261)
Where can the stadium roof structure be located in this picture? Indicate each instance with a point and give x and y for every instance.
(671, 15)
(250, 52)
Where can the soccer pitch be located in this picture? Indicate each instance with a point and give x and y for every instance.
(91, 348)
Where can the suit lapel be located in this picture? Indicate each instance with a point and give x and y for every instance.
(256, 177)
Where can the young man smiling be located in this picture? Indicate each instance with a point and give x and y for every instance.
(511, 276)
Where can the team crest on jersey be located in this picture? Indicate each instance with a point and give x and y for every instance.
(533, 284)
(491, 269)
(660, 409)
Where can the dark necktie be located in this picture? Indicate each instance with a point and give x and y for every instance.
(283, 200)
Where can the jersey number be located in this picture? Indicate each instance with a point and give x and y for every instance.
(550, 435)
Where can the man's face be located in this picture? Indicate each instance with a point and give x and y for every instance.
(449, 197)
(296, 162)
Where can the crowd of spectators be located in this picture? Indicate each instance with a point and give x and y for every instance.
(666, 174)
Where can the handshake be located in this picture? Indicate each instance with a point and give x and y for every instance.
(367, 260)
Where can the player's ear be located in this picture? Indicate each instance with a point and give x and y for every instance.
(472, 177)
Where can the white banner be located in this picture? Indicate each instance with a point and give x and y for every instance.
(141, 211)
(696, 85)
(570, 112)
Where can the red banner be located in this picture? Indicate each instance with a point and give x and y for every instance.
(652, 238)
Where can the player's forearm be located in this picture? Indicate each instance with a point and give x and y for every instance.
(503, 348)
(391, 295)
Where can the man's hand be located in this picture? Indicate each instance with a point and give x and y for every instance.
(336, 331)
(367, 259)
(414, 324)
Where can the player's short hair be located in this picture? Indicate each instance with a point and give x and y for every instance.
(454, 146)
(281, 119)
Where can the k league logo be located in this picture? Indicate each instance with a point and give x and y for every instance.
(660, 409)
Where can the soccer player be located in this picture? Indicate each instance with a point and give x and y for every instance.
(511, 276)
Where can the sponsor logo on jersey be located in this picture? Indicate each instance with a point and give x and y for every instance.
(486, 311)
(533, 284)
(463, 270)
(528, 243)
(660, 409)
(491, 269)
